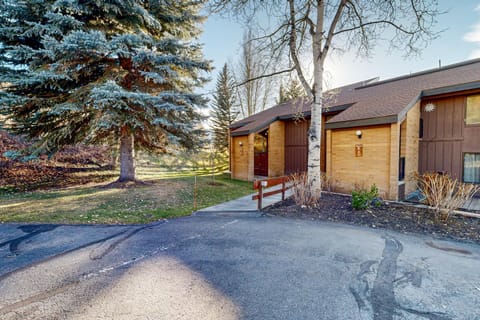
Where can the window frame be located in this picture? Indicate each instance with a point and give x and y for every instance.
(463, 167)
(476, 124)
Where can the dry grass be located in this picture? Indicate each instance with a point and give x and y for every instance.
(163, 196)
(303, 193)
(443, 193)
(329, 183)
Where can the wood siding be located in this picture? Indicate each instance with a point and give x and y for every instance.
(276, 149)
(239, 157)
(411, 149)
(446, 137)
(242, 157)
(296, 146)
(374, 166)
(394, 161)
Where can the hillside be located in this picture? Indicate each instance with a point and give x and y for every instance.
(60, 171)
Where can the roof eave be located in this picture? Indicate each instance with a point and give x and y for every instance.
(362, 122)
(451, 89)
(266, 124)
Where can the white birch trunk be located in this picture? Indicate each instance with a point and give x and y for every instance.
(315, 131)
(127, 162)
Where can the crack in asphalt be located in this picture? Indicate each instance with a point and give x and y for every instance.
(448, 249)
(92, 257)
(379, 302)
(86, 276)
(382, 294)
(66, 285)
(31, 231)
(97, 256)
(38, 297)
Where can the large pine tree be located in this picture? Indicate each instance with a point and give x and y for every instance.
(93, 71)
(223, 109)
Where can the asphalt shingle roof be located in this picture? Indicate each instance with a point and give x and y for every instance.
(392, 97)
(371, 99)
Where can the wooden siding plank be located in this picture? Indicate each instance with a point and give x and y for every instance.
(372, 167)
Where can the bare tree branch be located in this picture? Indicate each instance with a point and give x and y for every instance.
(293, 50)
(331, 30)
(276, 73)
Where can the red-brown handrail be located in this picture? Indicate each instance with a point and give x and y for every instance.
(265, 183)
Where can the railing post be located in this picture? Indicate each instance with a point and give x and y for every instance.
(283, 189)
(260, 196)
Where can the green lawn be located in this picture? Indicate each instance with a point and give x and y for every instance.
(168, 194)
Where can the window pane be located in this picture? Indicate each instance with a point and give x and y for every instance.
(473, 110)
(260, 144)
(471, 167)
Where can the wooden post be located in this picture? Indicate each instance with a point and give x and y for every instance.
(260, 196)
(195, 195)
(283, 189)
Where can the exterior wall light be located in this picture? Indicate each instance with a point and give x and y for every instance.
(358, 133)
(241, 144)
(429, 107)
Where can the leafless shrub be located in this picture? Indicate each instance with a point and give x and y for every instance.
(329, 183)
(443, 193)
(304, 194)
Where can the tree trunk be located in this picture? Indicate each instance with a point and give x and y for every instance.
(127, 162)
(315, 131)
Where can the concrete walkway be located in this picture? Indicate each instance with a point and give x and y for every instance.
(246, 204)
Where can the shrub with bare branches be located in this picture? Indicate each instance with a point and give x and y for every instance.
(303, 193)
(329, 183)
(443, 193)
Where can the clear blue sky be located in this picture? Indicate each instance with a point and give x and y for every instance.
(459, 42)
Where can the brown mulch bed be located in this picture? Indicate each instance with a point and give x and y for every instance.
(56, 172)
(391, 216)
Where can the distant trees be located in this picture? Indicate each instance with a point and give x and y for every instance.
(121, 72)
(224, 111)
(253, 91)
(292, 90)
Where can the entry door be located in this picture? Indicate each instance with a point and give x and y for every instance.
(260, 167)
(296, 146)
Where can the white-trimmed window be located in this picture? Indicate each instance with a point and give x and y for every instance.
(471, 167)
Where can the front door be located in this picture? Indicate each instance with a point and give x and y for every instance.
(296, 146)
(260, 167)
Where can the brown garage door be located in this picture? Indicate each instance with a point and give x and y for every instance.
(296, 146)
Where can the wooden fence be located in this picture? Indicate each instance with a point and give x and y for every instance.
(260, 185)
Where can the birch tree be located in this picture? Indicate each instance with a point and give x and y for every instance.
(319, 27)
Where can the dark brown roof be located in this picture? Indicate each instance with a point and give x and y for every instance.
(262, 120)
(371, 102)
(290, 109)
(391, 99)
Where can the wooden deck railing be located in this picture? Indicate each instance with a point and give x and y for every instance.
(260, 185)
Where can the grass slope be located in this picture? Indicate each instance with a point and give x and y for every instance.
(168, 194)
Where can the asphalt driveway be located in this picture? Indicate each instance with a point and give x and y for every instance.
(234, 266)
